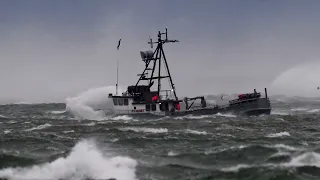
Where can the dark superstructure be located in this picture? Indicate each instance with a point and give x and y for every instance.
(141, 99)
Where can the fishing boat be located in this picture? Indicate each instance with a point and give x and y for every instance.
(144, 98)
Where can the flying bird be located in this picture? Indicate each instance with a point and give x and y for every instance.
(118, 44)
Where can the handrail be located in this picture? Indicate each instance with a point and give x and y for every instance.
(244, 100)
(129, 112)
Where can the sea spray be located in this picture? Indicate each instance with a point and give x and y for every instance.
(91, 104)
(301, 80)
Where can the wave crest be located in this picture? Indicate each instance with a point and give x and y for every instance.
(85, 161)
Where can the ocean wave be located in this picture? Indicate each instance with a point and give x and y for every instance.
(58, 112)
(226, 115)
(299, 109)
(121, 117)
(280, 112)
(43, 126)
(69, 131)
(307, 159)
(171, 153)
(85, 161)
(280, 134)
(3, 117)
(313, 110)
(189, 116)
(277, 147)
(14, 160)
(7, 131)
(196, 132)
(145, 130)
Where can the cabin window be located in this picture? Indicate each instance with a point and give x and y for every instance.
(115, 101)
(120, 101)
(126, 102)
(164, 107)
(153, 107)
(147, 107)
(161, 107)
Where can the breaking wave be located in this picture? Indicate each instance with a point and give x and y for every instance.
(58, 112)
(307, 159)
(226, 115)
(190, 131)
(43, 126)
(190, 116)
(85, 161)
(4, 117)
(122, 117)
(92, 104)
(274, 135)
(145, 130)
(313, 110)
(278, 147)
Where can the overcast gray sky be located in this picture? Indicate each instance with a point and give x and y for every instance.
(53, 49)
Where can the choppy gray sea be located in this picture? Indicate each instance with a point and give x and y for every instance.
(43, 141)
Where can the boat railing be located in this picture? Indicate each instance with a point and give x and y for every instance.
(195, 107)
(236, 101)
(223, 106)
(130, 112)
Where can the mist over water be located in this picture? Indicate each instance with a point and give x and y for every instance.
(301, 80)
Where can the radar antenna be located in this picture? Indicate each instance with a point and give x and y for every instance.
(150, 42)
(157, 56)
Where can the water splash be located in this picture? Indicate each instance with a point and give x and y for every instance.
(92, 104)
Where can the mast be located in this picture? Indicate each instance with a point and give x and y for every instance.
(119, 43)
(117, 76)
(158, 56)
